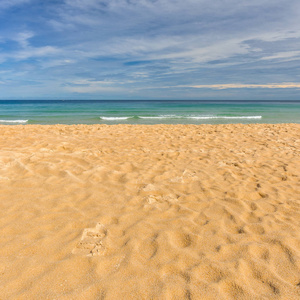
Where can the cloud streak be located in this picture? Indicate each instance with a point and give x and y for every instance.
(5, 4)
(25, 49)
(246, 86)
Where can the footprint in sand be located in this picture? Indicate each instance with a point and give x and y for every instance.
(187, 177)
(160, 202)
(91, 242)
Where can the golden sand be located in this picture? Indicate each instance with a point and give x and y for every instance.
(150, 212)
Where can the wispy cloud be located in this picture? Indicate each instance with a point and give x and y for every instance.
(283, 55)
(88, 86)
(5, 4)
(290, 85)
(23, 38)
(25, 49)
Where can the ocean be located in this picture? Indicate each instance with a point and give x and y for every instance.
(147, 112)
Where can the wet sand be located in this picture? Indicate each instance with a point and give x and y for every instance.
(150, 212)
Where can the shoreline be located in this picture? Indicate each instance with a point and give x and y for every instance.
(149, 125)
(150, 211)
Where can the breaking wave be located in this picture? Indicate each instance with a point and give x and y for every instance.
(13, 121)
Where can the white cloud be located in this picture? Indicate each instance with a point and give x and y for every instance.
(291, 32)
(202, 54)
(23, 38)
(91, 89)
(283, 55)
(57, 62)
(89, 86)
(287, 85)
(27, 50)
(32, 52)
(4, 4)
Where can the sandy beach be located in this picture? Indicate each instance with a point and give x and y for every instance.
(150, 212)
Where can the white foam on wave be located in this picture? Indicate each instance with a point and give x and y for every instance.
(13, 121)
(224, 117)
(160, 117)
(114, 118)
(199, 117)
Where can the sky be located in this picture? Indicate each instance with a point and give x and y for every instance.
(150, 49)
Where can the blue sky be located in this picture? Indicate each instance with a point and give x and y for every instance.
(150, 49)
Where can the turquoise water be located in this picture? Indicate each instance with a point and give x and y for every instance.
(148, 112)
